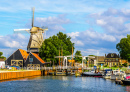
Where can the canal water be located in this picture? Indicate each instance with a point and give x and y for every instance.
(62, 84)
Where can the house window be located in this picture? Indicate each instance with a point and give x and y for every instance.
(113, 63)
(116, 63)
(112, 55)
(31, 60)
(110, 59)
(116, 59)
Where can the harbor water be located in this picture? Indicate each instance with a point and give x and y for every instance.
(62, 84)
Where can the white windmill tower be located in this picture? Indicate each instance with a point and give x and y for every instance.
(36, 37)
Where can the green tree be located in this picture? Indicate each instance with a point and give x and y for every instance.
(1, 53)
(124, 47)
(51, 46)
(91, 55)
(78, 59)
(125, 64)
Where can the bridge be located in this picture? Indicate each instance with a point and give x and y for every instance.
(65, 59)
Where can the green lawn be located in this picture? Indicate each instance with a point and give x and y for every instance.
(115, 68)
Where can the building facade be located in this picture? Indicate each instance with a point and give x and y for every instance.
(18, 58)
(112, 59)
(99, 60)
(23, 59)
(2, 63)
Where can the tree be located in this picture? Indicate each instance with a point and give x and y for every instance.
(1, 53)
(124, 47)
(125, 64)
(78, 59)
(91, 55)
(51, 46)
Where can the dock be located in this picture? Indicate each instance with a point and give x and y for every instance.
(118, 82)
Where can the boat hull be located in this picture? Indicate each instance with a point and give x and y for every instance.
(126, 82)
(92, 74)
(106, 77)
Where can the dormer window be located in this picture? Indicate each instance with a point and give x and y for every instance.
(112, 55)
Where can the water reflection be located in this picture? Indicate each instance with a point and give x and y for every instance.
(128, 88)
(64, 78)
(62, 84)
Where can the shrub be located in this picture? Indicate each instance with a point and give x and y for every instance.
(105, 65)
(115, 66)
(125, 64)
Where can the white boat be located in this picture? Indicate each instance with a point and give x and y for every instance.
(107, 73)
(117, 75)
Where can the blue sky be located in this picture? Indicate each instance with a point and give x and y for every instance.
(94, 25)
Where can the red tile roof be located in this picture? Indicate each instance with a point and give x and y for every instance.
(24, 53)
(38, 58)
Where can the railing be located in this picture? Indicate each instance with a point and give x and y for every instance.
(56, 67)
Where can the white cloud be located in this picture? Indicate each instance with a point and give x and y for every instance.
(66, 6)
(73, 34)
(54, 24)
(89, 42)
(78, 43)
(52, 20)
(12, 44)
(89, 34)
(14, 41)
(91, 39)
(108, 38)
(100, 22)
(113, 21)
(21, 36)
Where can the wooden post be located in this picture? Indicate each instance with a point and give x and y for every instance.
(66, 72)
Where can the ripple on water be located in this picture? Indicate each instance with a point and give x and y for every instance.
(62, 84)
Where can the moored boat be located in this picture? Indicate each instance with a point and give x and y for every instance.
(92, 74)
(107, 73)
(117, 75)
(126, 80)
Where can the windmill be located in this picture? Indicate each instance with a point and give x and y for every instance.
(36, 37)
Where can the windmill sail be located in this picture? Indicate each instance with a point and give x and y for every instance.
(36, 37)
(33, 17)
